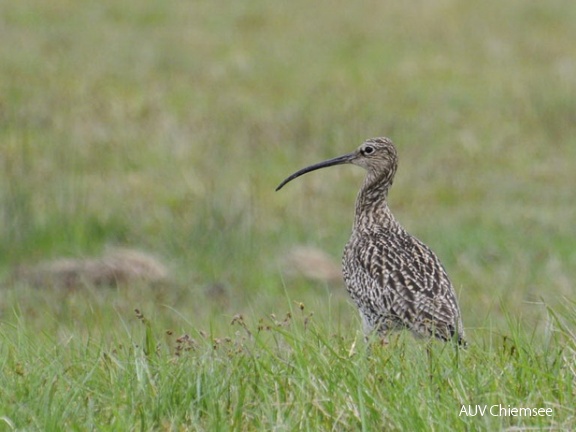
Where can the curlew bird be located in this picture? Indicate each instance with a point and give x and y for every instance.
(395, 280)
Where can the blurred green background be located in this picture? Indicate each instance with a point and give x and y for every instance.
(164, 126)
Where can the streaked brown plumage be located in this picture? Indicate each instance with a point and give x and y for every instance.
(395, 280)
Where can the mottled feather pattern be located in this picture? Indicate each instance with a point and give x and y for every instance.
(395, 280)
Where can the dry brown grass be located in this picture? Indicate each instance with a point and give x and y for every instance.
(312, 263)
(116, 267)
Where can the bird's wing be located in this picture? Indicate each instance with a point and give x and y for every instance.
(408, 284)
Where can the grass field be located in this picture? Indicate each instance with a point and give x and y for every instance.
(164, 127)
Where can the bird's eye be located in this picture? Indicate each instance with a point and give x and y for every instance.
(368, 150)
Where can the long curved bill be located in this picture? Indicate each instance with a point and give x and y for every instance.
(344, 159)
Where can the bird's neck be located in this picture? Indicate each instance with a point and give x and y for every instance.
(372, 205)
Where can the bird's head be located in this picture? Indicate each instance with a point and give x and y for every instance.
(377, 156)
